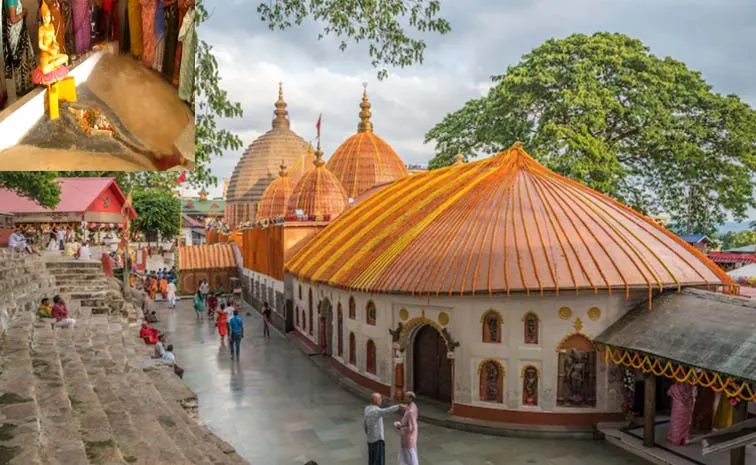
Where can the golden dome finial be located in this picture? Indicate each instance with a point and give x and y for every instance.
(282, 115)
(284, 172)
(318, 161)
(459, 159)
(365, 124)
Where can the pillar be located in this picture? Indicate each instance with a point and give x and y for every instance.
(323, 336)
(398, 372)
(450, 356)
(740, 413)
(649, 411)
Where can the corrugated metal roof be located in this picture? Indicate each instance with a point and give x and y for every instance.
(694, 238)
(745, 249)
(201, 257)
(505, 223)
(701, 329)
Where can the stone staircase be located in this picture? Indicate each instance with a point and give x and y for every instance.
(89, 395)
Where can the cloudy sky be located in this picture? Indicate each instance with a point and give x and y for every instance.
(716, 37)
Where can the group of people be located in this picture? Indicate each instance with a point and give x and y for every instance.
(407, 427)
(163, 282)
(151, 336)
(21, 242)
(227, 320)
(56, 311)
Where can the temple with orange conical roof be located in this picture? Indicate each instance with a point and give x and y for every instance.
(319, 193)
(482, 286)
(365, 160)
(276, 196)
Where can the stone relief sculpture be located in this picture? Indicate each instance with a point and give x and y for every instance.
(577, 382)
(530, 386)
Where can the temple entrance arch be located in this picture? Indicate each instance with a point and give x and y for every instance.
(431, 367)
(326, 327)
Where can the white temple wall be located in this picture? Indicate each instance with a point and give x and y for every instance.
(465, 326)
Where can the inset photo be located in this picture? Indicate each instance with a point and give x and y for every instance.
(97, 85)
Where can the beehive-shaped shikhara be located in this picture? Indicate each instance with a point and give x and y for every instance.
(499, 225)
(318, 192)
(259, 165)
(365, 160)
(275, 199)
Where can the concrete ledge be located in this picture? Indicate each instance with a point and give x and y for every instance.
(656, 455)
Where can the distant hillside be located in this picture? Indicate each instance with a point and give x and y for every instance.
(733, 226)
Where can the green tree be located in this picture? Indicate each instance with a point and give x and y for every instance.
(132, 181)
(36, 185)
(158, 212)
(603, 110)
(732, 240)
(380, 23)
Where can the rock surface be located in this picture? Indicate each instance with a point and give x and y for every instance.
(88, 395)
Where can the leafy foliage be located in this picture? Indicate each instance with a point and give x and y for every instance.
(380, 23)
(603, 110)
(36, 185)
(733, 240)
(158, 211)
(132, 181)
(212, 103)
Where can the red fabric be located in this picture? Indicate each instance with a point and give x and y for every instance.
(682, 410)
(149, 335)
(107, 265)
(181, 178)
(222, 324)
(59, 312)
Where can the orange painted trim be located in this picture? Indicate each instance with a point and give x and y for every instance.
(362, 380)
(521, 417)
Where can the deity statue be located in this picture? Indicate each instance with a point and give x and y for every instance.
(492, 382)
(574, 376)
(530, 386)
(50, 57)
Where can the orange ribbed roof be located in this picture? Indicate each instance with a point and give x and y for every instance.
(501, 224)
(202, 257)
(318, 192)
(365, 160)
(275, 199)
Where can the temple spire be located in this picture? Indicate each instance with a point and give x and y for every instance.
(282, 115)
(365, 124)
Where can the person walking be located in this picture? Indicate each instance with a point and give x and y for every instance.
(199, 305)
(172, 294)
(408, 429)
(373, 424)
(222, 322)
(236, 330)
(266, 320)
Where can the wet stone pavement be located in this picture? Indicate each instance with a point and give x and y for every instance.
(276, 408)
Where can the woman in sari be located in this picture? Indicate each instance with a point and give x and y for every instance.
(221, 322)
(163, 286)
(17, 47)
(81, 25)
(153, 288)
(682, 411)
(199, 305)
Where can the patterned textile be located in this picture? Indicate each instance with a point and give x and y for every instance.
(682, 410)
(188, 37)
(171, 37)
(149, 41)
(17, 49)
(81, 25)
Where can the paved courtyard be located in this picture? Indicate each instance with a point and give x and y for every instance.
(276, 408)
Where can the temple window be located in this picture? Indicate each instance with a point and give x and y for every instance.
(370, 313)
(300, 292)
(370, 357)
(340, 335)
(491, 322)
(296, 316)
(352, 349)
(352, 309)
(576, 385)
(529, 385)
(491, 381)
(531, 325)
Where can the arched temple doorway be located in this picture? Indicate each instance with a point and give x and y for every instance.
(431, 368)
(326, 327)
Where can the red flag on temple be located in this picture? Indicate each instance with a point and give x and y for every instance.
(181, 178)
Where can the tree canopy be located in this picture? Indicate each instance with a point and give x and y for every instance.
(380, 23)
(605, 111)
(158, 211)
(36, 185)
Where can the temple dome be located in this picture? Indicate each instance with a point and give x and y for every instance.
(364, 159)
(258, 166)
(302, 165)
(275, 199)
(318, 192)
(499, 225)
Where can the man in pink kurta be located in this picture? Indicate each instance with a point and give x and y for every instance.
(408, 429)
